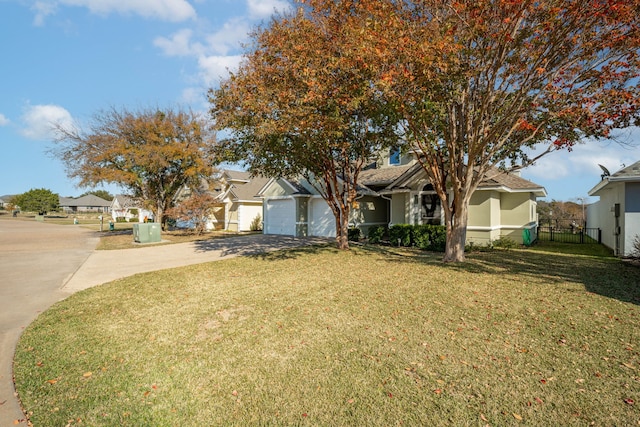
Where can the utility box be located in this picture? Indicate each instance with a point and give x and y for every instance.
(146, 232)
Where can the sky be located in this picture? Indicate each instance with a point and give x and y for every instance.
(65, 60)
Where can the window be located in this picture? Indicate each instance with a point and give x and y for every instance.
(431, 206)
(394, 156)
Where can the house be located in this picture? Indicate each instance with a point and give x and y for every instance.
(234, 192)
(85, 204)
(397, 191)
(617, 213)
(125, 208)
(6, 200)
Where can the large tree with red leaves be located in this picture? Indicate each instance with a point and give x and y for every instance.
(481, 82)
(303, 103)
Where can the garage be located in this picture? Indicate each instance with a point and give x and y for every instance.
(322, 221)
(279, 217)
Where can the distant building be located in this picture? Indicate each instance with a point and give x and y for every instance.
(125, 208)
(85, 204)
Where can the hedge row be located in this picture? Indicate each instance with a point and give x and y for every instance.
(428, 237)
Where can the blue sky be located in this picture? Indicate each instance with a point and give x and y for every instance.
(64, 60)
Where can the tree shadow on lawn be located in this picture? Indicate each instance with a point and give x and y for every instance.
(609, 277)
(264, 246)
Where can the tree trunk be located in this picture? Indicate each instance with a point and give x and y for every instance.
(342, 227)
(456, 232)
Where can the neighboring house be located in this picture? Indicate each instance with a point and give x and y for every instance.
(129, 209)
(85, 204)
(238, 208)
(617, 213)
(236, 194)
(399, 192)
(5, 200)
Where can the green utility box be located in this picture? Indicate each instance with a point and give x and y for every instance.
(146, 232)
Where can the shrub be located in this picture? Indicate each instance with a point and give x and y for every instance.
(504, 243)
(430, 237)
(354, 234)
(401, 234)
(376, 233)
(635, 253)
(121, 219)
(256, 223)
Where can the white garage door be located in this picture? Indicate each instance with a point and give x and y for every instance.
(280, 217)
(322, 221)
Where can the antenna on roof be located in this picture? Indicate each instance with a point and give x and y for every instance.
(605, 172)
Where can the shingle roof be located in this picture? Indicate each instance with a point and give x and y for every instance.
(631, 172)
(382, 176)
(249, 190)
(509, 180)
(88, 200)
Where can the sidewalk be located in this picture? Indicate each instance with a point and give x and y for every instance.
(106, 266)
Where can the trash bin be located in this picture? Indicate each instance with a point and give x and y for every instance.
(526, 237)
(111, 226)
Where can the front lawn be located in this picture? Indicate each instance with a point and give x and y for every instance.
(319, 337)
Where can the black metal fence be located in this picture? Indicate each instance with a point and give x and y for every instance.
(568, 231)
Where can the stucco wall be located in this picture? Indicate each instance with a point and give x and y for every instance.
(370, 211)
(400, 208)
(515, 209)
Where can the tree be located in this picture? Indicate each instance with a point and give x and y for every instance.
(196, 209)
(103, 194)
(38, 200)
(480, 83)
(150, 152)
(302, 104)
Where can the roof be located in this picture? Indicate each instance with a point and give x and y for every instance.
(88, 200)
(249, 190)
(382, 176)
(395, 178)
(627, 174)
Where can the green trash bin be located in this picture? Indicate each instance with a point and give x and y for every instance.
(526, 237)
(111, 226)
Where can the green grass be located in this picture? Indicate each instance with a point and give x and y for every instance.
(320, 337)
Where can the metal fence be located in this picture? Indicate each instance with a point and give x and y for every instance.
(568, 231)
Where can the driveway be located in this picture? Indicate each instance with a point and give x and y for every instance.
(41, 264)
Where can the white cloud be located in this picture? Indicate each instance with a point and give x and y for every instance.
(260, 9)
(40, 121)
(165, 10)
(42, 10)
(229, 38)
(3, 120)
(179, 44)
(213, 68)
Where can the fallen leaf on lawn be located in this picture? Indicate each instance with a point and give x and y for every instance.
(87, 374)
(52, 381)
(350, 401)
(483, 418)
(579, 381)
(537, 399)
(629, 365)
(543, 381)
(437, 391)
(234, 393)
(629, 401)
(39, 364)
(517, 416)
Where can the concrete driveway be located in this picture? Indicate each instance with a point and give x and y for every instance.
(41, 264)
